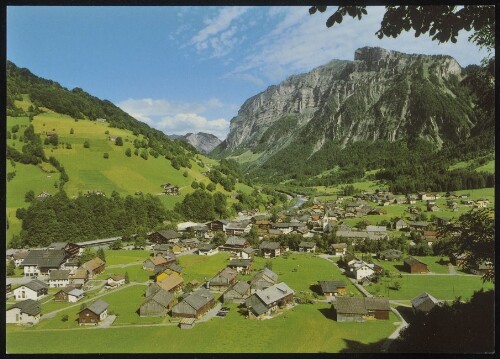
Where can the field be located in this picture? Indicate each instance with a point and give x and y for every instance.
(431, 261)
(305, 328)
(443, 287)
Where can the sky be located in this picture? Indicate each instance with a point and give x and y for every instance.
(189, 69)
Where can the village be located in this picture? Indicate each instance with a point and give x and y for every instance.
(241, 267)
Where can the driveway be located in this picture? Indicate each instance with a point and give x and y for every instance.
(211, 313)
(107, 322)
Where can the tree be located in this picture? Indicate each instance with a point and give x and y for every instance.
(127, 280)
(106, 155)
(116, 245)
(220, 204)
(140, 241)
(119, 141)
(194, 185)
(219, 238)
(128, 152)
(11, 268)
(269, 265)
(87, 255)
(71, 131)
(211, 187)
(65, 318)
(101, 254)
(442, 22)
(86, 144)
(474, 236)
(29, 196)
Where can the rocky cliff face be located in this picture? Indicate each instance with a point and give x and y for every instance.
(381, 95)
(203, 142)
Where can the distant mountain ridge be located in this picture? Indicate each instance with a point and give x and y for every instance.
(203, 142)
(382, 95)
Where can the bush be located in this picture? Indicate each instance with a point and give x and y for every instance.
(71, 131)
(86, 144)
(106, 155)
(65, 318)
(128, 152)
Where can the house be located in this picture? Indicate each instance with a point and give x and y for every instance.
(101, 120)
(112, 138)
(162, 249)
(430, 237)
(355, 309)
(338, 249)
(157, 304)
(234, 244)
(237, 293)
(441, 221)
(482, 268)
(18, 257)
(187, 323)
(308, 247)
(359, 235)
(94, 266)
(172, 283)
(59, 278)
(458, 259)
(194, 305)
(377, 229)
(240, 265)
(170, 189)
(165, 236)
(263, 224)
(246, 253)
(400, 224)
(114, 281)
(424, 303)
(26, 312)
(263, 279)
(34, 289)
(42, 196)
(70, 249)
(207, 249)
(482, 203)
(71, 264)
(413, 265)
(79, 278)
(217, 225)
(360, 270)
(425, 196)
(190, 243)
(432, 208)
(69, 294)
(237, 228)
(419, 225)
(331, 288)
(390, 255)
(94, 313)
(51, 133)
(198, 230)
(270, 249)
(222, 280)
(40, 262)
(157, 261)
(8, 288)
(264, 303)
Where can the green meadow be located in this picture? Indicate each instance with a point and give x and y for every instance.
(305, 328)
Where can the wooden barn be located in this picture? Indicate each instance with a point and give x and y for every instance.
(194, 305)
(157, 304)
(413, 265)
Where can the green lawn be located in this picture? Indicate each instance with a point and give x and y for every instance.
(202, 267)
(431, 261)
(488, 167)
(442, 287)
(135, 273)
(305, 328)
(123, 256)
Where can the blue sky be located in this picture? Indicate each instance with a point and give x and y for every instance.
(189, 69)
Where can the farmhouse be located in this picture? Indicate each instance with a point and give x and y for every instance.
(360, 270)
(424, 303)
(94, 266)
(94, 313)
(308, 247)
(173, 283)
(353, 309)
(26, 312)
(217, 225)
(266, 302)
(413, 265)
(58, 278)
(207, 249)
(70, 249)
(114, 281)
(34, 289)
(170, 189)
(187, 323)
(157, 261)
(162, 249)
(263, 279)
(234, 244)
(270, 249)
(237, 293)
(165, 236)
(157, 304)
(458, 259)
(241, 265)
(69, 294)
(18, 257)
(190, 243)
(338, 249)
(390, 255)
(72, 264)
(237, 228)
(246, 253)
(331, 288)
(40, 262)
(400, 224)
(194, 305)
(419, 225)
(42, 196)
(222, 280)
(79, 278)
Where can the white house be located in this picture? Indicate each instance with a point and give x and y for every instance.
(360, 270)
(75, 295)
(32, 290)
(208, 249)
(26, 312)
(59, 278)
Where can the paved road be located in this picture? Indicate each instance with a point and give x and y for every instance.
(451, 269)
(395, 334)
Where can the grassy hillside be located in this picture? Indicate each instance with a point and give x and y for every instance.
(87, 168)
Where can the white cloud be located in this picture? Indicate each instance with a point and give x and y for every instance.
(179, 118)
(220, 33)
(298, 42)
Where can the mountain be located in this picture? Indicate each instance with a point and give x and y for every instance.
(381, 96)
(203, 142)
